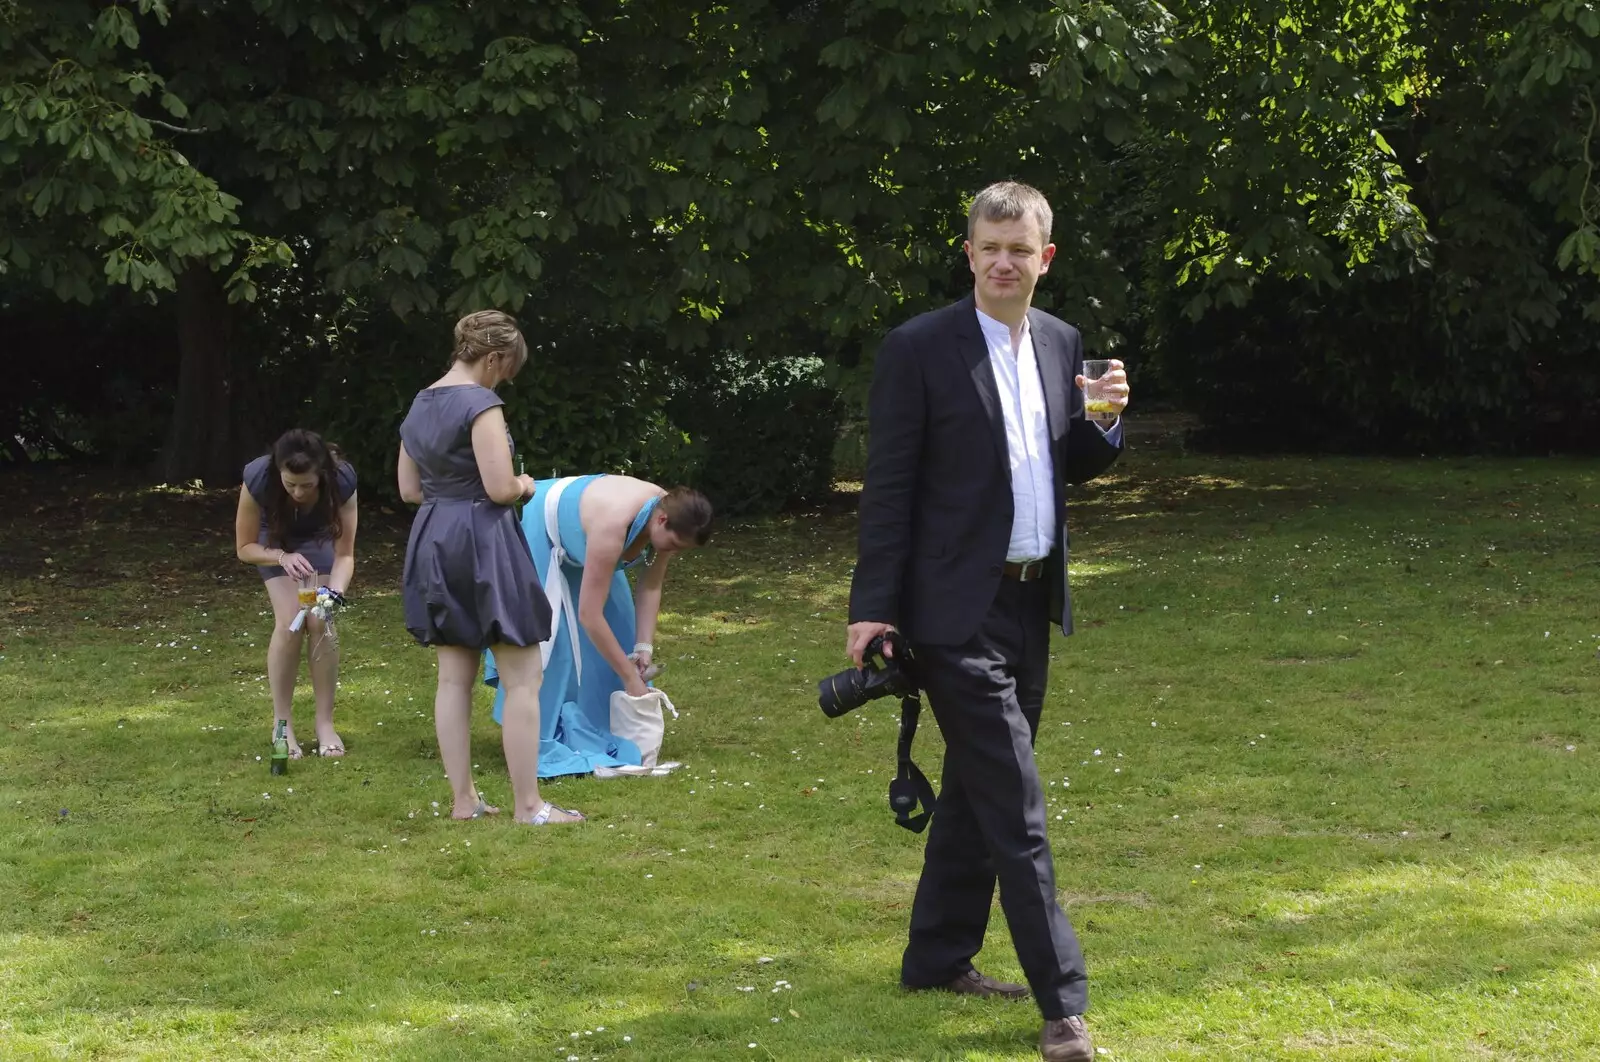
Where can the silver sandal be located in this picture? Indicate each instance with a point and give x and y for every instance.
(543, 817)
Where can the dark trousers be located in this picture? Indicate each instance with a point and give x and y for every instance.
(989, 821)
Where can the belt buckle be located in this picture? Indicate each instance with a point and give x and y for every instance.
(1028, 571)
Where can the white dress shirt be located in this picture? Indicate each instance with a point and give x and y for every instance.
(1033, 493)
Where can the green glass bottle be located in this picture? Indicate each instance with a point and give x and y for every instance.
(280, 748)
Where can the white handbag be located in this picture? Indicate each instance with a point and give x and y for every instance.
(640, 720)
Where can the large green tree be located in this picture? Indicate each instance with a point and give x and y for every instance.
(313, 188)
(644, 176)
(1470, 326)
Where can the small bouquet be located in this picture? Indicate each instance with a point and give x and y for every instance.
(324, 604)
(329, 603)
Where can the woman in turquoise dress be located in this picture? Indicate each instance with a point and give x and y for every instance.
(603, 526)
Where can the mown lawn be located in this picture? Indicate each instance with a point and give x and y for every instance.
(1321, 760)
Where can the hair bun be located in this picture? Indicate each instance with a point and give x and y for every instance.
(490, 332)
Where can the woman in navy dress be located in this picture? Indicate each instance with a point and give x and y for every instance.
(470, 582)
(297, 519)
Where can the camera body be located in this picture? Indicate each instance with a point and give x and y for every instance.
(851, 688)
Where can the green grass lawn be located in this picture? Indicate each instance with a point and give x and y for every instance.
(1321, 760)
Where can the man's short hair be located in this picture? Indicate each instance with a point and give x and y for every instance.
(1008, 201)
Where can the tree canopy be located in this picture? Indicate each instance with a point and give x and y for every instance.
(1354, 193)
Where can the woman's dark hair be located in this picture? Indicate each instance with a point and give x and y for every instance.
(688, 514)
(300, 451)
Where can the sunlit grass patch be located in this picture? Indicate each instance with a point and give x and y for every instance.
(1318, 764)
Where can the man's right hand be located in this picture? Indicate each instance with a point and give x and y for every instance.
(860, 636)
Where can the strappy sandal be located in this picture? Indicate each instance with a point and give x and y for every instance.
(543, 817)
(483, 808)
(332, 752)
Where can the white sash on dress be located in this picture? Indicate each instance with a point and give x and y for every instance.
(555, 583)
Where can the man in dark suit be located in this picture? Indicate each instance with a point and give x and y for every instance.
(977, 424)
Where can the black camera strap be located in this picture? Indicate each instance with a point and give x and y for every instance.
(910, 786)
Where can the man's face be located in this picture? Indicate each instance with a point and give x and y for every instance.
(1007, 259)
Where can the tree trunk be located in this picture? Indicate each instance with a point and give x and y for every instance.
(200, 442)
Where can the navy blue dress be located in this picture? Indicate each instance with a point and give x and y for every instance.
(469, 577)
(308, 536)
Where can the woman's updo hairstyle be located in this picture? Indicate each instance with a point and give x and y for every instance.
(487, 332)
(688, 514)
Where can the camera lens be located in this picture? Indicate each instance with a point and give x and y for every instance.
(838, 694)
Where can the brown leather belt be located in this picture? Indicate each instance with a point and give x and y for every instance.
(1024, 572)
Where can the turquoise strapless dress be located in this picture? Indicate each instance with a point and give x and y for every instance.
(575, 712)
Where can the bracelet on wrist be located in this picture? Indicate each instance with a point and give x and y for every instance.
(643, 647)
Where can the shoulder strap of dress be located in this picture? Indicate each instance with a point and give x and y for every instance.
(641, 519)
(555, 583)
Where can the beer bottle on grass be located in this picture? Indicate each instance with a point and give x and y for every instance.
(280, 748)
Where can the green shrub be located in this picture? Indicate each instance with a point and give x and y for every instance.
(763, 432)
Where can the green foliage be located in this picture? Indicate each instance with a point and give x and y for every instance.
(764, 432)
(781, 180)
(1273, 163)
(100, 193)
(582, 409)
(574, 409)
(1478, 338)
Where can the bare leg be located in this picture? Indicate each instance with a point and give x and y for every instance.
(283, 655)
(520, 674)
(452, 721)
(324, 655)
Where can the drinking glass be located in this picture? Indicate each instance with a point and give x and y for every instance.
(1095, 400)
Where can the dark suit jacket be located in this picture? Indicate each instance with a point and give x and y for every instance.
(936, 509)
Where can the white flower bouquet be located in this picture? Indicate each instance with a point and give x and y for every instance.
(324, 605)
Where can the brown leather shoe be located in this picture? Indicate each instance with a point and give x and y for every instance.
(973, 983)
(1065, 1040)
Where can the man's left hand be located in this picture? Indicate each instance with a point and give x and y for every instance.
(1113, 388)
(860, 635)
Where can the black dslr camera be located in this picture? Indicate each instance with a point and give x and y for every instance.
(851, 688)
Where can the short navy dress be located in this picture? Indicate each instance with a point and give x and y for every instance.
(308, 536)
(469, 578)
